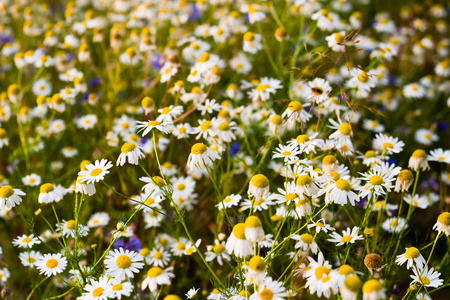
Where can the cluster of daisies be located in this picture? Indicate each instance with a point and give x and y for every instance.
(212, 150)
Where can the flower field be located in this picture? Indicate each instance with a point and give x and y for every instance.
(224, 149)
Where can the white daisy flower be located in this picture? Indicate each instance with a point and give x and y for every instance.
(340, 192)
(305, 242)
(426, 136)
(321, 278)
(237, 243)
(394, 225)
(29, 259)
(427, 277)
(201, 156)
(98, 219)
(131, 152)
(159, 258)
(414, 90)
(349, 235)
(229, 201)
(122, 264)
(10, 197)
(49, 193)
(146, 127)
(269, 289)
(120, 288)
(288, 153)
(320, 225)
(157, 276)
(167, 114)
(373, 290)
(413, 257)
(377, 183)
(95, 172)
(98, 290)
(391, 145)
(443, 223)
(319, 90)
(51, 264)
(439, 155)
(192, 293)
(25, 241)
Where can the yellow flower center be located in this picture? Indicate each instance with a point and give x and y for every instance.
(266, 294)
(123, 261)
(51, 263)
(224, 126)
(6, 191)
(249, 36)
(218, 248)
(334, 175)
(370, 154)
(329, 160)
(419, 153)
(165, 110)
(353, 283)
(363, 77)
(259, 181)
(290, 196)
(388, 145)
(95, 172)
(371, 286)
(425, 280)
(147, 102)
(257, 263)
(46, 188)
(153, 123)
(345, 270)
(128, 147)
(149, 201)
(405, 175)
(71, 225)
(302, 138)
(97, 292)
(306, 238)
(444, 218)
(181, 246)
(253, 222)
(204, 57)
(295, 106)
(26, 240)
(158, 255)
(277, 120)
(31, 260)
(339, 38)
(345, 129)
(239, 231)
(412, 253)
(117, 287)
(343, 184)
(154, 272)
(262, 87)
(346, 238)
(303, 180)
(376, 180)
(322, 273)
(198, 148)
(144, 252)
(317, 91)
(205, 125)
